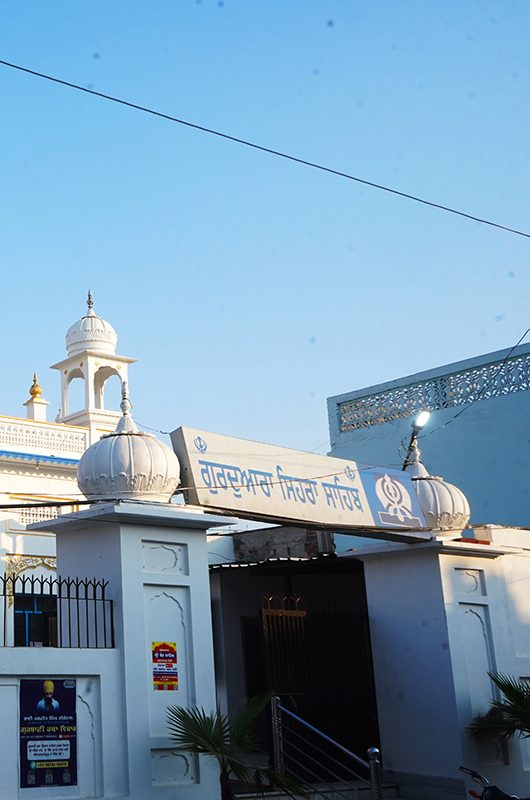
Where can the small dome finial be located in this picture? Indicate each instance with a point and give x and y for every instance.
(125, 404)
(413, 463)
(90, 300)
(35, 390)
(415, 454)
(126, 423)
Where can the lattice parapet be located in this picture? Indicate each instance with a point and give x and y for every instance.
(26, 516)
(41, 438)
(455, 389)
(29, 514)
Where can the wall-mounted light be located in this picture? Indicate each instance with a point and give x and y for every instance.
(419, 423)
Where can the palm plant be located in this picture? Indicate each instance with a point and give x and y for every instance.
(230, 741)
(509, 715)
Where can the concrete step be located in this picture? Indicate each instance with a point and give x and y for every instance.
(353, 791)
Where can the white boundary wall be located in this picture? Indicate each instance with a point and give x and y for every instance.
(101, 741)
(155, 560)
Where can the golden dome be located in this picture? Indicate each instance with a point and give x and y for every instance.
(35, 390)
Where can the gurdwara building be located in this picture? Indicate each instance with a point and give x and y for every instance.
(388, 644)
(39, 457)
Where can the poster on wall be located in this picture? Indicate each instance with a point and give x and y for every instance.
(165, 674)
(48, 732)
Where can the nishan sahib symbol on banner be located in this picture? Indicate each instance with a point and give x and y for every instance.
(397, 503)
(200, 444)
(350, 473)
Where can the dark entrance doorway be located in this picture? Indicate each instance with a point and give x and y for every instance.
(313, 650)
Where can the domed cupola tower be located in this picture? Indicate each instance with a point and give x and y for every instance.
(444, 505)
(91, 332)
(91, 356)
(128, 465)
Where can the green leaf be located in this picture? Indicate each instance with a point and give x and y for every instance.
(242, 723)
(195, 730)
(508, 716)
(284, 783)
(230, 742)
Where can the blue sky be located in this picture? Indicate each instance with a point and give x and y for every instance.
(250, 288)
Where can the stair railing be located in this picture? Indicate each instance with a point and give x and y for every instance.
(323, 768)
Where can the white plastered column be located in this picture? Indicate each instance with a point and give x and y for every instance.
(154, 557)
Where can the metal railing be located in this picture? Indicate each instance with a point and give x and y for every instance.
(319, 763)
(55, 612)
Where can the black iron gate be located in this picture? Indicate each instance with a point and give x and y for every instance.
(318, 661)
(285, 641)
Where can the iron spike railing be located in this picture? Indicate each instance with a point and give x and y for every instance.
(56, 612)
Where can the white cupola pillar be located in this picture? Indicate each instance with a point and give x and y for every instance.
(91, 357)
(154, 557)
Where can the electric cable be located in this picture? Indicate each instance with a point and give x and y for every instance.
(360, 468)
(153, 430)
(231, 513)
(46, 504)
(264, 149)
(181, 489)
(484, 388)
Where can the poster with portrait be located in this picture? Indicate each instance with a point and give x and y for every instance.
(48, 732)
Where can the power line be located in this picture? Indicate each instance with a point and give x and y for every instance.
(228, 513)
(47, 504)
(264, 149)
(360, 467)
(153, 430)
(487, 384)
(181, 489)
(479, 394)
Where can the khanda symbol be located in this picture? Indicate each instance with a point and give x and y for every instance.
(350, 473)
(200, 444)
(394, 497)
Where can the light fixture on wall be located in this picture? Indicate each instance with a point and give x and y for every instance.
(419, 423)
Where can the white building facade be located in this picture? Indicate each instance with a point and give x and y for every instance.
(91, 661)
(39, 458)
(440, 613)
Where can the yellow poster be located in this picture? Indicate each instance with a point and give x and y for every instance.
(165, 673)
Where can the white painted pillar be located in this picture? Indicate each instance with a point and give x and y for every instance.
(64, 394)
(416, 701)
(89, 371)
(36, 409)
(155, 559)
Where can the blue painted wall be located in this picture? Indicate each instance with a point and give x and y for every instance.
(485, 450)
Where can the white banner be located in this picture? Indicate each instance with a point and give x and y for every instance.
(276, 483)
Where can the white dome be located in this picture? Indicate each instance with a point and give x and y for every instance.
(128, 465)
(444, 505)
(91, 333)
